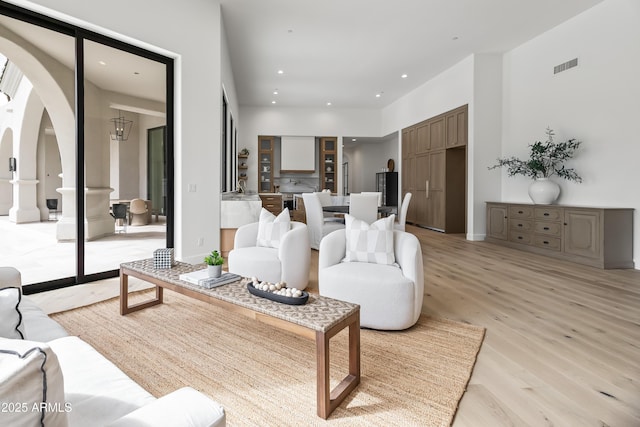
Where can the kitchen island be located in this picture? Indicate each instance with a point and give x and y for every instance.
(236, 210)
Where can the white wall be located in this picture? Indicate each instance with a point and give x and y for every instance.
(597, 102)
(192, 36)
(485, 129)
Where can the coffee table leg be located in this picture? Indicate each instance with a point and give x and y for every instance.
(328, 400)
(125, 308)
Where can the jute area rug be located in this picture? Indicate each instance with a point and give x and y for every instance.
(267, 377)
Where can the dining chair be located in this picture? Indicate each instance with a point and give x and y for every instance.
(138, 212)
(52, 205)
(377, 194)
(316, 225)
(119, 213)
(325, 200)
(402, 218)
(364, 207)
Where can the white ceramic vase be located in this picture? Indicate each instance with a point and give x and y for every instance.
(543, 191)
(214, 270)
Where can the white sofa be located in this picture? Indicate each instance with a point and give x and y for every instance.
(390, 297)
(88, 388)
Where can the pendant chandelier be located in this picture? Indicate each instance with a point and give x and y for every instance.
(121, 127)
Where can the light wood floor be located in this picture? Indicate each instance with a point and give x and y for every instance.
(562, 345)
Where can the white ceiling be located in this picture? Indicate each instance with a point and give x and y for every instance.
(339, 51)
(347, 51)
(108, 68)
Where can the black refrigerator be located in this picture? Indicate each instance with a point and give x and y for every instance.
(387, 184)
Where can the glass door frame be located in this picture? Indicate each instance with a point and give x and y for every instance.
(80, 35)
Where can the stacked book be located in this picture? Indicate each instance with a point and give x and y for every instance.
(201, 278)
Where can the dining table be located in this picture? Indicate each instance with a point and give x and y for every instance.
(344, 209)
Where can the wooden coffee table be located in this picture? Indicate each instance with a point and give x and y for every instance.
(319, 319)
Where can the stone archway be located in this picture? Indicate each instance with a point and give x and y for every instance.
(54, 84)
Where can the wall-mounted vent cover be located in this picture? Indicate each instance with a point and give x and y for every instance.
(565, 66)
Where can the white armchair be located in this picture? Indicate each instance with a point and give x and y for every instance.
(316, 225)
(289, 263)
(390, 298)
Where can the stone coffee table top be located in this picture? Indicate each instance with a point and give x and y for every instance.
(318, 314)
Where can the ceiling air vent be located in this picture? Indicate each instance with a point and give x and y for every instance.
(565, 66)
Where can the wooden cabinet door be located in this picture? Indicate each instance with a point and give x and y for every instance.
(265, 164)
(409, 169)
(436, 134)
(497, 221)
(582, 233)
(422, 136)
(409, 185)
(422, 178)
(436, 190)
(408, 142)
(456, 131)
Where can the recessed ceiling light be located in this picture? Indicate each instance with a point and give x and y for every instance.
(404, 76)
(102, 63)
(275, 92)
(455, 38)
(353, 139)
(280, 71)
(273, 102)
(328, 103)
(378, 95)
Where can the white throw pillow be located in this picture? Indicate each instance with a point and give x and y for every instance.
(31, 385)
(369, 243)
(271, 229)
(11, 324)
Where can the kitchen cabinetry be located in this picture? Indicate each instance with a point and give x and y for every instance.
(329, 163)
(434, 171)
(599, 237)
(272, 202)
(265, 164)
(387, 184)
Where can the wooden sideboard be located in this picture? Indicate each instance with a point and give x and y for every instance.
(599, 237)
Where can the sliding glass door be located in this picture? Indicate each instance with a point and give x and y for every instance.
(124, 97)
(80, 150)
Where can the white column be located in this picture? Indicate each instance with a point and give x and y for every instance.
(24, 207)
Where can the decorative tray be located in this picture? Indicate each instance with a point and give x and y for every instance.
(301, 300)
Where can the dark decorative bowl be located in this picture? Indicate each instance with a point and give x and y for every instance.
(301, 300)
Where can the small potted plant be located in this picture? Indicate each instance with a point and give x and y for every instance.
(214, 263)
(546, 159)
(244, 152)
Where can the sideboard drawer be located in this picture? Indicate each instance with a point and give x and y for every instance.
(547, 242)
(549, 228)
(549, 214)
(517, 237)
(521, 225)
(520, 212)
